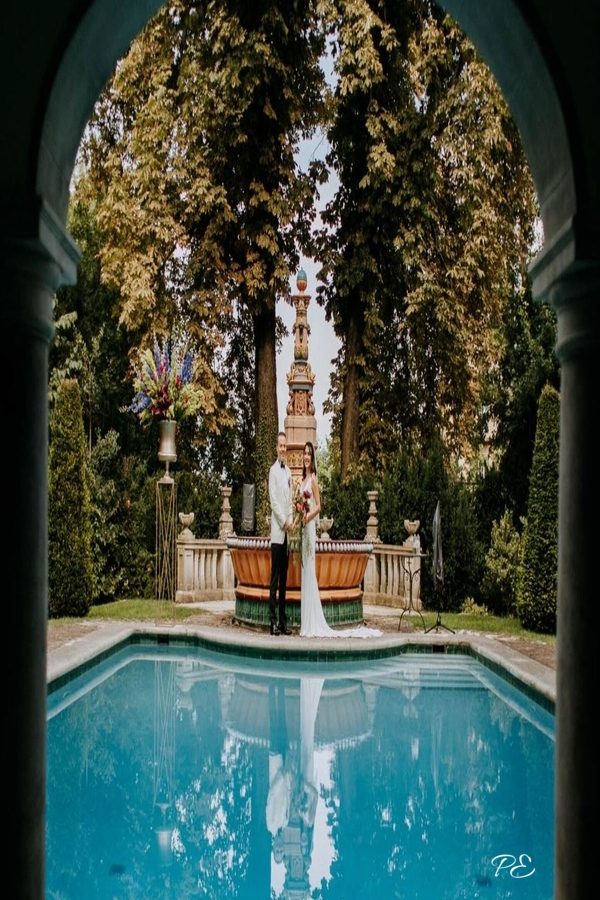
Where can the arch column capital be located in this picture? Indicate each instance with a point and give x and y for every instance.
(575, 297)
(34, 239)
(37, 255)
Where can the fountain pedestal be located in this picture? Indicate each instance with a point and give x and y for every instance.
(340, 571)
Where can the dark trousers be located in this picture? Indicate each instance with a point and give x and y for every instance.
(279, 567)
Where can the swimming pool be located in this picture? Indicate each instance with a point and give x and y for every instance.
(181, 772)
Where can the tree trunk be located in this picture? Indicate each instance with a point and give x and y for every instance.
(267, 418)
(351, 397)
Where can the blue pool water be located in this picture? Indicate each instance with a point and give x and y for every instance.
(179, 772)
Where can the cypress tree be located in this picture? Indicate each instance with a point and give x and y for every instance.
(70, 572)
(537, 591)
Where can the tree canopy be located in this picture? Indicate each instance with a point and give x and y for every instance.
(429, 232)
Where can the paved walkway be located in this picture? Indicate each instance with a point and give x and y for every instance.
(72, 644)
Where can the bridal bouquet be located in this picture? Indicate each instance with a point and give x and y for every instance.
(301, 506)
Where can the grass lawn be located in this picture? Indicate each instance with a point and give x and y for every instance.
(162, 610)
(495, 624)
(142, 610)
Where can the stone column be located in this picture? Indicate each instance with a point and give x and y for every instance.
(185, 561)
(226, 521)
(576, 299)
(226, 573)
(29, 276)
(371, 581)
(372, 534)
(300, 424)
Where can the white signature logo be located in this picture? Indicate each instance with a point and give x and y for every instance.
(516, 868)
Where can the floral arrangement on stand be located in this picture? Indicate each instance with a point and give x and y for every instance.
(301, 506)
(163, 383)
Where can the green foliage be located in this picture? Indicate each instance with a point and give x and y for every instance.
(139, 529)
(200, 493)
(463, 553)
(345, 501)
(266, 442)
(130, 560)
(537, 590)
(428, 233)
(124, 536)
(70, 572)
(95, 345)
(489, 500)
(65, 357)
(231, 450)
(470, 608)
(499, 587)
(511, 395)
(203, 208)
(410, 489)
(107, 538)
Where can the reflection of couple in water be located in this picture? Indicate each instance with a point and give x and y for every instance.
(293, 795)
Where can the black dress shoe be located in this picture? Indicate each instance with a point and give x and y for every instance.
(283, 629)
(274, 629)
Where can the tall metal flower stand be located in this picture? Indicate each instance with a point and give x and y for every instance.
(166, 516)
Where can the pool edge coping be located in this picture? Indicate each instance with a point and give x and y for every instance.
(75, 656)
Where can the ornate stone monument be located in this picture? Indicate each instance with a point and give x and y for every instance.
(300, 424)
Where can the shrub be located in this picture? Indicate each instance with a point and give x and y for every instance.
(470, 608)
(107, 536)
(138, 528)
(123, 502)
(462, 551)
(537, 586)
(70, 570)
(499, 588)
(410, 489)
(200, 493)
(346, 503)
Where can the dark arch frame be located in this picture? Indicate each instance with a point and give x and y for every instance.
(56, 56)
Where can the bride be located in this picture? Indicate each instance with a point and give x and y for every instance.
(312, 618)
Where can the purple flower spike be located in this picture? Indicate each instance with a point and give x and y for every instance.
(186, 368)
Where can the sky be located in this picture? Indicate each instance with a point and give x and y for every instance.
(323, 344)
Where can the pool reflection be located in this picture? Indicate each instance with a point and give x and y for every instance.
(187, 778)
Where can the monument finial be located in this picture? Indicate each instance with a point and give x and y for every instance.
(301, 280)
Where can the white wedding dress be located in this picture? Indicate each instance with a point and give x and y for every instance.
(312, 617)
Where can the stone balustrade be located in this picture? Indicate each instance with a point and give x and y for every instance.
(205, 572)
(388, 574)
(205, 569)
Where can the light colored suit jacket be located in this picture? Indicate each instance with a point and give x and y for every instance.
(280, 496)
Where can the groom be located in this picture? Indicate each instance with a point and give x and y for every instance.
(280, 495)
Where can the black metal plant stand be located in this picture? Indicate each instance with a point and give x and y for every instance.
(438, 622)
(407, 567)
